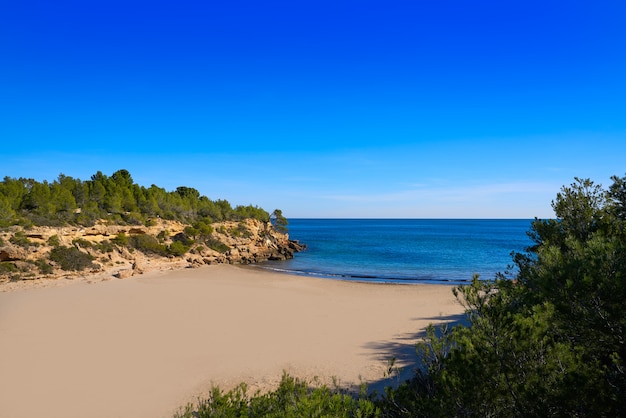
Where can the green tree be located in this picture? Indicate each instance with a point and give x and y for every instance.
(279, 221)
(188, 193)
(122, 186)
(97, 191)
(550, 343)
(7, 214)
(62, 198)
(13, 190)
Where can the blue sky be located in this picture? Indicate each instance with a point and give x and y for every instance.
(460, 109)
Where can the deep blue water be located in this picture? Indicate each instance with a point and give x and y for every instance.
(405, 250)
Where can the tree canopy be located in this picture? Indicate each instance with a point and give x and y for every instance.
(118, 197)
(550, 342)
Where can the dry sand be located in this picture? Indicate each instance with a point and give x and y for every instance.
(144, 346)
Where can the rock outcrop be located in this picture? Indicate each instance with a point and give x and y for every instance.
(25, 253)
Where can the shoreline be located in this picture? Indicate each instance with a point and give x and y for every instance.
(147, 345)
(360, 278)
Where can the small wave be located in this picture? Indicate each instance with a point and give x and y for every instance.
(368, 278)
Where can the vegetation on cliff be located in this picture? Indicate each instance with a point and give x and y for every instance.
(73, 225)
(547, 342)
(116, 198)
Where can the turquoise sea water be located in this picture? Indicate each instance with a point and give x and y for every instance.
(405, 250)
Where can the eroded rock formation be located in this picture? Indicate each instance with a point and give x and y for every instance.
(25, 253)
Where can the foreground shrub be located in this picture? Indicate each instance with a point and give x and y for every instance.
(550, 343)
(292, 398)
(71, 258)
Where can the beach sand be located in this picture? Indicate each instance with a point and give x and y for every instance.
(147, 345)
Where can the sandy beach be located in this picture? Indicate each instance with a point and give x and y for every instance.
(144, 346)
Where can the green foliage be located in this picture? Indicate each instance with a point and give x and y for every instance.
(7, 267)
(217, 245)
(550, 343)
(147, 244)
(163, 235)
(200, 229)
(121, 239)
(54, 241)
(250, 212)
(279, 221)
(20, 239)
(105, 246)
(116, 198)
(44, 266)
(177, 248)
(7, 213)
(71, 258)
(241, 230)
(188, 193)
(83, 243)
(292, 398)
(133, 218)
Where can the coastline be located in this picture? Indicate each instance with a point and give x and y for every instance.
(146, 345)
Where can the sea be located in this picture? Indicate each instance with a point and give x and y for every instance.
(442, 251)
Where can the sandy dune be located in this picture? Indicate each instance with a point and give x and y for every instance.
(142, 347)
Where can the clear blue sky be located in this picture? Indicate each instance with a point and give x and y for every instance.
(321, 108)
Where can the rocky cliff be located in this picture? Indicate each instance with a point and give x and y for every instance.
(25, 254)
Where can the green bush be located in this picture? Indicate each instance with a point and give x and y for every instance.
(54, 241)
(177, 248)
(20, 239)
(121, 239)
(240, 231)
(163, 235)
(183, 238)
(44, 266)
(71, 258)
(133, 218)
(147, 244)
(105, 246)
(292, 398)
(7, 267)
(81, 242)
(217, 245)
(550, 343)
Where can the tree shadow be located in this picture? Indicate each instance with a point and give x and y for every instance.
(400, 354)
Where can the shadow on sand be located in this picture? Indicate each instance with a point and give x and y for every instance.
(401, 355)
